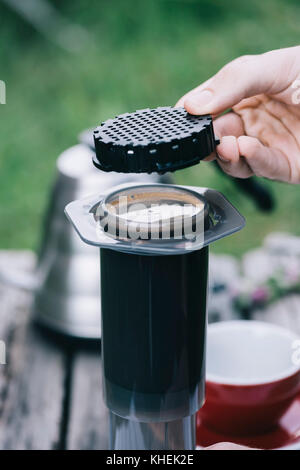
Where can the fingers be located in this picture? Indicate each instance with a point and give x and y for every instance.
(242, 156)
(237, 80)
(226, 125)
(228, 128)
(245, 156)
(230, 160)
(267, 162)
(242, 78)
(229, 124)
(192, 92)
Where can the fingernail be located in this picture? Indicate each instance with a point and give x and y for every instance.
(222, 158)
(200, 100)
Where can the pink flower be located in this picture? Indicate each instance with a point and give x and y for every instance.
(260, 294)
(292, 275)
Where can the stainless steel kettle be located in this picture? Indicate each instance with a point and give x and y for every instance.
(65, 298)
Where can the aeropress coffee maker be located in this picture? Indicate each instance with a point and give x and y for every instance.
(154, 242)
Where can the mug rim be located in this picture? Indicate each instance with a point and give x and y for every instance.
(289, 372)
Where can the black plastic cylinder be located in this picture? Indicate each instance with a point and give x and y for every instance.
(153, 333)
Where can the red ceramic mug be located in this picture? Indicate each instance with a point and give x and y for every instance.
(253, 375)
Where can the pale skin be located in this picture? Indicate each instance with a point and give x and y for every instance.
(260, 135)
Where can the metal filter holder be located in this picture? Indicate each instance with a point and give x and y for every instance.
(224, 220)
(153, 140)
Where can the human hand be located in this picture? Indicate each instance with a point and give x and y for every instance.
(261, 134)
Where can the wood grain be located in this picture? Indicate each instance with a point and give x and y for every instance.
(31, 381)
(88, 425)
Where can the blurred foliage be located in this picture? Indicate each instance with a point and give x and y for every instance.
(143, 54)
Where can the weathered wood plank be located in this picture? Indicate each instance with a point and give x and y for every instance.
(32, 380)
(88, 425)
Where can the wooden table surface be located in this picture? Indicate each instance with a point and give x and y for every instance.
(50, 389)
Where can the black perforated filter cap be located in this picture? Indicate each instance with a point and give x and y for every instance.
(153, 140)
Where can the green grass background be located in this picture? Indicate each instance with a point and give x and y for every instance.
(144, 54)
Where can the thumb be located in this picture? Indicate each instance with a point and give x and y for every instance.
(242, 78)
